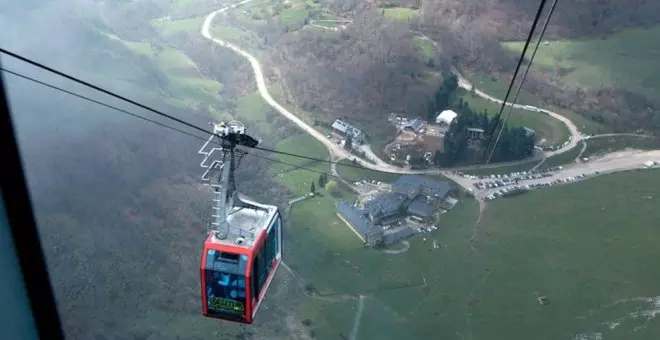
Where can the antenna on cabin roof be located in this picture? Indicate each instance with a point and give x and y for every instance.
(220, 164)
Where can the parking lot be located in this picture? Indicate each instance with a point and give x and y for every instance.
(489, 187)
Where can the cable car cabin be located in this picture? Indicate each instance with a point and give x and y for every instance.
(238, 266)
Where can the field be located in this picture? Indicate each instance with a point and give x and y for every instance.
(290, 175)
(399, 13)
(183, 80)
(292, 13)
(425, 47)
(563, 158)
(600, 146)
(497, 88)
(172, 27)
(598, 278)
(253, 109)
(354, 172)
(560, 159)
(627, 59)
(547, 128)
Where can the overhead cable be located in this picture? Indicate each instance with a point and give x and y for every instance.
(17, 74)
(529, 65)
(513, 79)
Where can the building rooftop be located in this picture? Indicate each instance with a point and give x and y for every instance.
(413, 184)
(346, 128)
(415, 125)
(529, 132)
(420, 207)
(385, 204)
(475, 129)
(356, 218)
(446, 116)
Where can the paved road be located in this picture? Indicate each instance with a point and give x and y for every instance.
(263, 90)
(613, 162)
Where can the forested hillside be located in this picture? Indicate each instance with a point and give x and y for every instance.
(378, 53)
(371, 67)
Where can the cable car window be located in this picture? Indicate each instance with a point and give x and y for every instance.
(225, 293)
(226, 262)
(272, 246)
(259, 272)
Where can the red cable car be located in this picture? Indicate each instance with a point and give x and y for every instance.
(236, 270)
(244, 247)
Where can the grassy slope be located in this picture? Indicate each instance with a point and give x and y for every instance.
(627, 59)
(183, 79)
(600, 146)
(426, 48)
(546, 127)
(253, 109)
(353, 173)
(576, 251)
(400, 13)
(172, 27)
(561, 159)
(290, 175)
(497, 88)
(573, 251)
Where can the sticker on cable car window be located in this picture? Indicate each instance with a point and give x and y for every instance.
(226, 304)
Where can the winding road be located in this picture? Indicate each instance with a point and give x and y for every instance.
(336, 151)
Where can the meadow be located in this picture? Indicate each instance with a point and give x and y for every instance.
(399, 13)
(497, 87)
(604, 145)
(549, 130)
(591, 253)
(626, 59)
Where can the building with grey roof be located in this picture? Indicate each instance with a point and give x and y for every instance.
(358, 221)
(411, 195)
(475, 133)
(385, 206)
(415, 125)
(397, 234)
(343, 128)
(413, 185)
(422, 207)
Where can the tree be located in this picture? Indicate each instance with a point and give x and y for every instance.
(322, 180)
(312, 188)
(348, 145)
(437, 157)
(331, 187)
(430, 113)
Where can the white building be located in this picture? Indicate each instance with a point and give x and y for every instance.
(446, 117)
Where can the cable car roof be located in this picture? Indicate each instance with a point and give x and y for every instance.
(246, 223)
